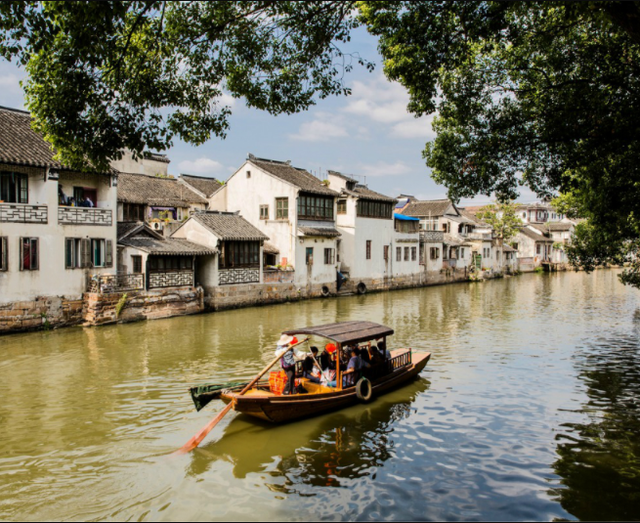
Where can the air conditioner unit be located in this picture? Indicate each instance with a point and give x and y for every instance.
(157, 226)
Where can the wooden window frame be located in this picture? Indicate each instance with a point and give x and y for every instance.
(34, 259)
(308, 255)
(315, 207)
(414, 253)
(398, 254)
(342, 206)
(264, 212)
(282, 211)
(4, 254)
(406, 254)
(329, 256)
(368, 250)
(20, 189)
(135, 260)
(374, 209)
(385, 253)
(239, 255)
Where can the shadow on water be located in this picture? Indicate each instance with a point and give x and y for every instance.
(599, 459)
(319, 452)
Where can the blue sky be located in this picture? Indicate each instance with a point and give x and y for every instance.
(368, 134)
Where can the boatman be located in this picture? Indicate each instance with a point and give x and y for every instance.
(287, 362)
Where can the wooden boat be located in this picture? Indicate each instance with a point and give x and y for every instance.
(403, 366)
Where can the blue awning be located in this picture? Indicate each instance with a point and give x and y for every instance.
(404, 218)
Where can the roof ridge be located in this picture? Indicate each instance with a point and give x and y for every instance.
(14, 110)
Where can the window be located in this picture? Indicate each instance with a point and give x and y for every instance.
(264, 212)
(406, 254)
(538, 248)
(133, 212)
(4, 254)
(398, 253)
(315, 207)
(414, 253)
(407, 226)
(309, 256)
(373, 209)
(101, 253)
(435, 253)
(14, 187)
(29, 255)
(170, 263)
(462, 253)
(85, 196)
(386, 253)
(342, 206)
(368, 253)
(282, 208)
(515, 246)
(136, 263)
(329, 258)
(239, 254)
(248, 174)
(431, 224)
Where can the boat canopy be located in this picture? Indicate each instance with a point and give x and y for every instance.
(346, 332)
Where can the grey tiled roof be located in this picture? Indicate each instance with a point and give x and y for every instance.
(326, 232)
(539, 237)
(302, 179)
(150, 190)
(427, 208)
(270, 248)
(167, 246)
(553, 227)
(229, 226)
(363, 192)
(205, 185)
(21, 145)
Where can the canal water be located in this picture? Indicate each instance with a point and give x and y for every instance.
(528, 409)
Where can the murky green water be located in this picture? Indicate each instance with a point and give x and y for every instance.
(529, 409)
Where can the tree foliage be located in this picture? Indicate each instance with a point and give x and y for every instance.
(502, 218)
(538, 94)
(104, 76)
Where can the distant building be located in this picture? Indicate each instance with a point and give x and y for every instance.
(57, 225)
(162, 202)
(295, 210)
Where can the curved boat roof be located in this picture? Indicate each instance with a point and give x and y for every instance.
(346, 332)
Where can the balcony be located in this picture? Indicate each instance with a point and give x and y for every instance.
(108, 283)
(84, 216)
(479, 236)
(431, 236)
(240, 275)
(23, 213)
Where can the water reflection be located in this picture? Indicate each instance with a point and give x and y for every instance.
(321, 452)
(599, 459)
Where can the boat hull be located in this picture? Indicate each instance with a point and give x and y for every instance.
(279, 409)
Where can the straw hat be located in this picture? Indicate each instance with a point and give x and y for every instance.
(285, 340)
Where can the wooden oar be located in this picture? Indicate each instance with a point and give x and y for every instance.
(195, 441)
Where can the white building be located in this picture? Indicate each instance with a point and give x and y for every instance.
(295, 210)
(366, 224)
(57, 225)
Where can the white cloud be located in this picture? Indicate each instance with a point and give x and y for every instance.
(325, 127)
(200, 166)
(414, 128)
(384, 169)
(380, 100)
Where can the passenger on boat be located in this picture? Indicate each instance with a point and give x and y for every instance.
(287, 362)
(382, 347)
(310, 368)
(355, 365)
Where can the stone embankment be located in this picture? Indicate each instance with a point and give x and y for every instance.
(108, 308)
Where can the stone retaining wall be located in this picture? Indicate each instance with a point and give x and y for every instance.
(100, 309)
(45, 312)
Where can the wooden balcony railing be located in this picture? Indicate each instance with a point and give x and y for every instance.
(23, 213)
(84, 216)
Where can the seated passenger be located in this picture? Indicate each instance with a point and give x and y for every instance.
(310, 368)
